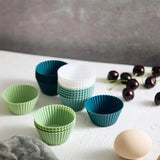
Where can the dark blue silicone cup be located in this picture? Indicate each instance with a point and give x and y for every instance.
(104, 110)
(46, 76)
(46, 71)
(48, 89)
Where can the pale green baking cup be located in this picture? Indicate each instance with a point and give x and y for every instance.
(20, 99)
(52, 138)
(75, 104)
(57, 129)
(55, 118)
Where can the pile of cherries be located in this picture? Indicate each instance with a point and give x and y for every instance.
(131, 83)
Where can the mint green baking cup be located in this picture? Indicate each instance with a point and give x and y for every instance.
(75, 104)
(20, 99)
(52, 138)
(55, 118)
(75, 94)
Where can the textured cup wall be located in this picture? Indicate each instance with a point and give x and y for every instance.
(103, 30)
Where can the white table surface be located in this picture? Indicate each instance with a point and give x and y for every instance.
(87, 141)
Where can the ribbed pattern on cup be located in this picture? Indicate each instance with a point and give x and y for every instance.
(104, 110)
(75, 104)
(75, 94)
(55, 130)
(20, 99)
(48, 89)
(55, 117)
(52, 138)
(104, 120)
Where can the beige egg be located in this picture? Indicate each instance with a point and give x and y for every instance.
(158, 158)
(132, 144)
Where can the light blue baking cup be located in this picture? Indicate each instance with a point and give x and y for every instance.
(104, 110)
(75, 104)
(46, 71)
(20, 99)
(48, 89)
(75, 94)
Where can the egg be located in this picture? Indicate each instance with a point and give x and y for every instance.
(132, 144)
(158, 158)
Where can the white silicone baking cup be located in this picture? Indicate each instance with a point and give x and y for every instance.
(76, 76)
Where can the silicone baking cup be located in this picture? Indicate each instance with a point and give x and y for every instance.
(76, 76)
(75, 94)
(54, 123)
(75, 104)
(104, 110)
(46, 76)
(20, 99)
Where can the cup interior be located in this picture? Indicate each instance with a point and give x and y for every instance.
(20, 93)
(75, 72)
(54, 116)
(49, 68)
(103, 104)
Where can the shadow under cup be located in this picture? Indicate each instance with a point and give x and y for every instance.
(104, 110)
(46, 76)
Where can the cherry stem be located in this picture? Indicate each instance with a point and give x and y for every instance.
(120, 80)
(135, 75)
(106, 81)
(112, 87)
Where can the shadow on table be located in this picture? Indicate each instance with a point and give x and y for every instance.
(148, 103)
(10, 131)
(45, 100)
(83, 121)
(103, 154)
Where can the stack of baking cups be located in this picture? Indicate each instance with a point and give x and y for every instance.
(46, 75)
(54, 123)
(75, 85)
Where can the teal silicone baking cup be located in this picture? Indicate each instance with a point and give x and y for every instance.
(55, 118)
(20, 99)
(104, 110)
(75, 104)
(52, 138)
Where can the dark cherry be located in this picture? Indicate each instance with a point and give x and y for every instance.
(113, 75)
(157, 99)
(156, 71)
(138, 70)
(125, 76)
(132, 84)
(150, 82)
(128, 94)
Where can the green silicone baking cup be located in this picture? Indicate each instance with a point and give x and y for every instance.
(52, 138)
(57, 129)
(20, 99)
(55, 118)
